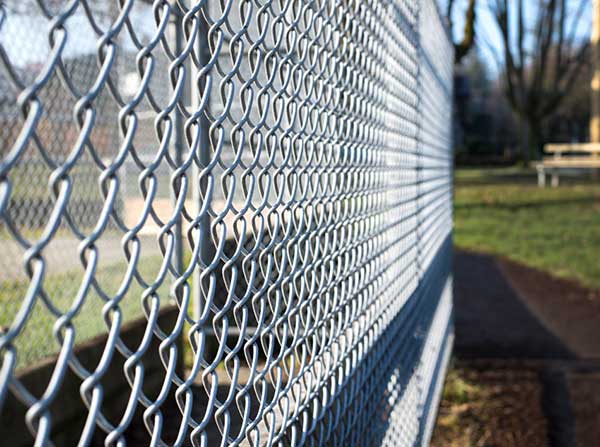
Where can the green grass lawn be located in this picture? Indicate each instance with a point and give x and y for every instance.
(499, 211)
(503, 212)
(37, 340)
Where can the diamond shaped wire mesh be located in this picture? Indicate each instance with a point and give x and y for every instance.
(260, 189)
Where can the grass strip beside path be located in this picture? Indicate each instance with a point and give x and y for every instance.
(503, 212)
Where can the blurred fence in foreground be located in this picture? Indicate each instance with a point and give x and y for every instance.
(277, 173)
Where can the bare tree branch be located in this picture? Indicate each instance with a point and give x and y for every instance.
(542, 60)
(462, 48)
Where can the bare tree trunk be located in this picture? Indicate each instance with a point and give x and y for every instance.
(535, 139)
(524, 138)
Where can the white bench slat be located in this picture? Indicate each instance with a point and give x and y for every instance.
(572, 147)
(571, 162)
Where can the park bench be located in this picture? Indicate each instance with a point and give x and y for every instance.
(567, 156)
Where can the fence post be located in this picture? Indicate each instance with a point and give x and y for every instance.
(178, 142)
(206, 251)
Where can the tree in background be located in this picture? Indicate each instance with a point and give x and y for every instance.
(543, 57)
(569, 122)
(461, 49)
(484, 128)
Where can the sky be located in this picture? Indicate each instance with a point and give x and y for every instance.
(24, 32)
(26, 41)
(488, 39)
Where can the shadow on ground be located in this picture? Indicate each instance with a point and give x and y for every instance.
(587, 200)
(512, 317)
(491, 320)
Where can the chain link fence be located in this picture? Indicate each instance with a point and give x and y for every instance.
(277, 173)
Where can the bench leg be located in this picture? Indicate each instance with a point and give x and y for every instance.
(541, 178)
(555, 180)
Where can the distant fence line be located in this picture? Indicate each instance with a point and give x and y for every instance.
(272, 178)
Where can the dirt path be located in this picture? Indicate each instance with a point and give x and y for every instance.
(491, 407)
(491, 319)
(507, 311)
(567, 309)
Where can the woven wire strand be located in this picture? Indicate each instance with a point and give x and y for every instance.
(276, 174)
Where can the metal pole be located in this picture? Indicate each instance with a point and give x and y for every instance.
(206, 249)
(595, 97)
(178, 145)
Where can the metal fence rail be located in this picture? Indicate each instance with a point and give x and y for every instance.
(276, 173)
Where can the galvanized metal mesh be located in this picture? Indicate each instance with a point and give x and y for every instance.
(276, 174)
